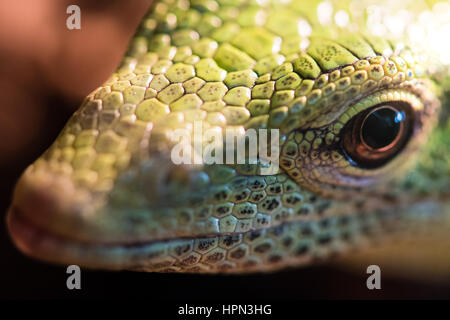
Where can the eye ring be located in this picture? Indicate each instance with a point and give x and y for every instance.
(375, 136)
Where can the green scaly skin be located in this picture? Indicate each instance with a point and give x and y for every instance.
(107, 195)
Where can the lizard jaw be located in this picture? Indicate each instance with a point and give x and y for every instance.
(46, 221)
(42, 244)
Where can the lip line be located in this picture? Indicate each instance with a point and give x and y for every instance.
(41, 244)
(14, 216)
(38, 243)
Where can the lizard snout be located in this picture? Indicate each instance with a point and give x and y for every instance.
(48, 202)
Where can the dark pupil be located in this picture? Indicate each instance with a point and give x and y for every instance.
(381, 127)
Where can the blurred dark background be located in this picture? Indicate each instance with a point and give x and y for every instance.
(45, 72)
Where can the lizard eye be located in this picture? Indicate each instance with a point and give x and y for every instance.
(371, 142)
(375, 136)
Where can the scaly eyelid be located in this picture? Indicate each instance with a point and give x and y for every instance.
(383, 96)
(318, 102)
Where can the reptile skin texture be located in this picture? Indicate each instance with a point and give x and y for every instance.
(107, 194)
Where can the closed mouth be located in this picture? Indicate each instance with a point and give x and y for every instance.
(42, 244)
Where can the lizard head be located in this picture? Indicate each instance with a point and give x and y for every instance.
(360, 136)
